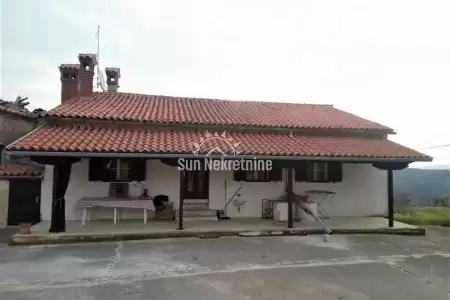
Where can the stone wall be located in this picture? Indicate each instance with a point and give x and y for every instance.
(13, 127)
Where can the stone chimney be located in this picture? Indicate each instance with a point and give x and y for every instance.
(88, 61)
(69, 81)
(112, 79)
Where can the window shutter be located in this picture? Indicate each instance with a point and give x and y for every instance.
(96, 168)
(301, 171)
(239, 175)
(335, 171)
(138, 169)
(276, 174)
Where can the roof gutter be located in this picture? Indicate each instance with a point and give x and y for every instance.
(214, 156)
(28, 177)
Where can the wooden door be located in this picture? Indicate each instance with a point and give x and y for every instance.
(196, 188)
(24, 204)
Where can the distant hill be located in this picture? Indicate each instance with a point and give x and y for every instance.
(436, 167)
(422, 184)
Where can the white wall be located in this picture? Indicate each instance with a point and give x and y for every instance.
(251, 192)
(160, 179)
(363, 191)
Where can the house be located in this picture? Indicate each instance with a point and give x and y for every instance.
(20, 180)
(104, 144)
(15, 121)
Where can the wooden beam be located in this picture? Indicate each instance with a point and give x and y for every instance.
(181, 202)
(290, 195)
(390, 191)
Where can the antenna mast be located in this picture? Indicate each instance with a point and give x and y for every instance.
(101, 83)
(98, 56)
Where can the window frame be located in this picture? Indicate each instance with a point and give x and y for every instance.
(100, 171)
(317, 172)
(118, 168)
(269, 175)
(309, 171)
(256, 176)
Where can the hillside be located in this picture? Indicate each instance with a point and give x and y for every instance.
(422, 184)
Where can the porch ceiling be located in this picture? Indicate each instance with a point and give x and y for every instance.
(147, 140)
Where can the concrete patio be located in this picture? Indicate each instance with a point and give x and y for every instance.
(135, 229)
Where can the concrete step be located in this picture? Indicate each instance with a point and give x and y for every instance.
(199, 218)
(198, 214)
(195, 205)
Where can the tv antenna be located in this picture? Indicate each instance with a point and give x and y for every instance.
(100, 76)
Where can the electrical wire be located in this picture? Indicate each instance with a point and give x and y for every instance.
(434, 147)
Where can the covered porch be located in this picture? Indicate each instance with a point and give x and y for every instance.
(351, 192)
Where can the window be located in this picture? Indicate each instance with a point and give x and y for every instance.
(319, 172)
(259, 176)
(116, 170)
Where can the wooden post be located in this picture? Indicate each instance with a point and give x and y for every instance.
(390, 167)
(390, 191)
(181, 202)
(290, 195)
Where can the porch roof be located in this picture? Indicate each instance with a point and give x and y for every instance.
(146, 141)
(20, 169)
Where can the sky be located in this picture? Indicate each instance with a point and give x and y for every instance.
(387, 61)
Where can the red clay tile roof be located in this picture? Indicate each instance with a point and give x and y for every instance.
(144, 139)
(21, 169)
(177, 110)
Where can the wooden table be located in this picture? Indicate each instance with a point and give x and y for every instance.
(116, 204)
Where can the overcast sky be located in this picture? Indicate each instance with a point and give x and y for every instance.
(388, 61)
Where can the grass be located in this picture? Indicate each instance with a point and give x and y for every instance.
(432, 215)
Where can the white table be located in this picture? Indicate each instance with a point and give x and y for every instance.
(116, 204)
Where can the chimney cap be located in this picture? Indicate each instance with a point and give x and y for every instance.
(112, 71)
(69, 66)
(87, 59)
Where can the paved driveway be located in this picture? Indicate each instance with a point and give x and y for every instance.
(347, 267)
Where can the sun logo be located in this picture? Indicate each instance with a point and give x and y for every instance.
(209, 144)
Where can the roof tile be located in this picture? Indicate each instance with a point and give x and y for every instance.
(178, 110)
(21, 169)
(144, 139)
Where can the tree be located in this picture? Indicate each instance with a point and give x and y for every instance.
(21, 101)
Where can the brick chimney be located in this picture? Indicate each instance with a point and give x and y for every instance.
(112, 78)
(88, 61)
(69, 81)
